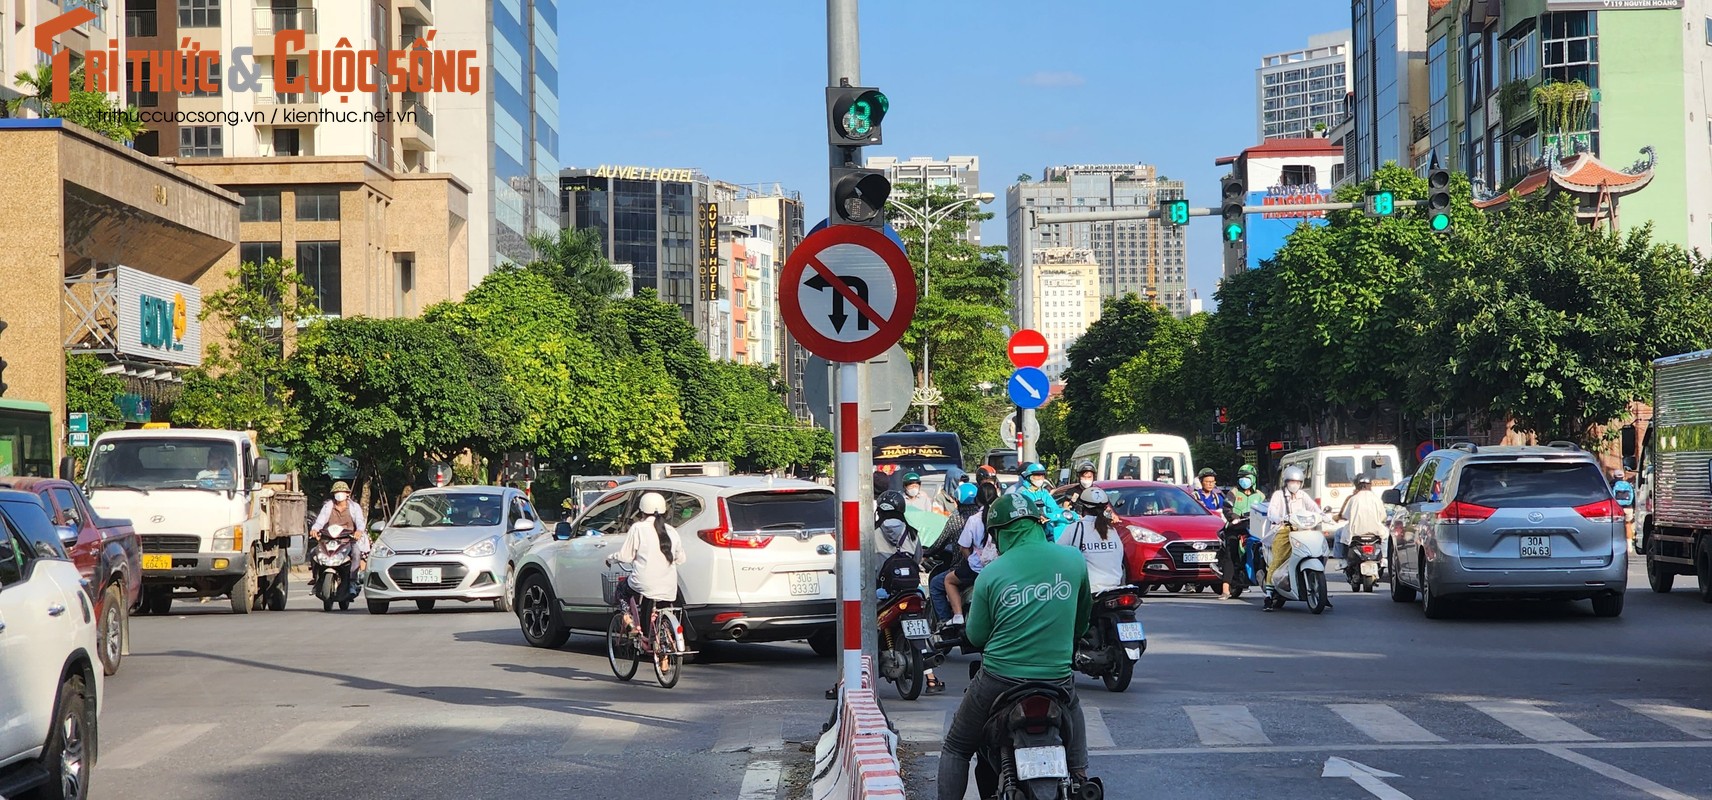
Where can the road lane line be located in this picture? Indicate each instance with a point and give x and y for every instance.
(754, 735)
(760, 781)
(1221, 725)
(153, 745)
(1617, 774)
(305, 739)
(919, 726)
(600, 736)
(1099, 736)
(1532, 721)
(1382, 723)
(1692, 721)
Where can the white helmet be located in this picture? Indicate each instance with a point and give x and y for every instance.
(651, 504)
(1294, 474)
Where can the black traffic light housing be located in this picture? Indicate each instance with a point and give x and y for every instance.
(1232, 194)
(859, 195)
(854, 114)
(1438, 199)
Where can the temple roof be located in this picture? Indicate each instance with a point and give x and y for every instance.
(1582, 173)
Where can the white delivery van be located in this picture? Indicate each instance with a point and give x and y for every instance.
(1138, 456)
(1329, 472)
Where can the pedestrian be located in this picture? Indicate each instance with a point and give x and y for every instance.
(1624, 493)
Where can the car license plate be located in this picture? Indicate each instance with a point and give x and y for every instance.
(1536, 547)
(1370, 569)
(1200, 558)
(1041, 762)
(157, 561)
(915, 629)
(424, 574)
(1130, 632)
(805, 583)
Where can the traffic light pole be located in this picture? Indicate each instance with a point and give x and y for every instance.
(1037, 219)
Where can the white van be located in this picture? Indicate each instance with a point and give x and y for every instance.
(1330, 471)
(1138, 456)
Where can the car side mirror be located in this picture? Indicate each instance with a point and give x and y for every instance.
(67, 534)
(522, 525)
(1393, 497)
(67, 467)
(377, 526)
(260, 470)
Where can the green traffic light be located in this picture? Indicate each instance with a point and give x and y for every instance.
(1440, 221)
(1233, 233)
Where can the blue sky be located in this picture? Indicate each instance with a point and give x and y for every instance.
(737, 88)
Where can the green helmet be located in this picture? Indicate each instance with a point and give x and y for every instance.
(1010, 508)
(1248, 469)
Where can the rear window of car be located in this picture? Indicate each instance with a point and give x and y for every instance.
(1531, 485)
(1342, 470)
(782, 511)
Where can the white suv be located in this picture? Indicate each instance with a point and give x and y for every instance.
(47, 657)
(759, 560)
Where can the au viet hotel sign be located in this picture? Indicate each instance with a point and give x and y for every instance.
(644, 173)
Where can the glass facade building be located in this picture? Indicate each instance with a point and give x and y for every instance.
(524, 79)
(649, 224)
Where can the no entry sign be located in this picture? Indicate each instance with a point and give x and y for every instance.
(1027, 348)
(847, 293)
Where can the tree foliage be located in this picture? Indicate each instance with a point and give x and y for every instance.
(1161, 388)
(89, 389)
(1125, 328)
(92, 110)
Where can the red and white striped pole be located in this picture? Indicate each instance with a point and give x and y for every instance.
(852, 527)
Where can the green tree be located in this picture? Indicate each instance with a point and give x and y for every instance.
(89, 389)
(241, 383)
(1162, 387)
(92, 110)
(1125, 328)
(1056, 444)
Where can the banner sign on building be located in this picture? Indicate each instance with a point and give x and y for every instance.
(1268, 230)
(709, 272)
(1612, 5)
(159, 319)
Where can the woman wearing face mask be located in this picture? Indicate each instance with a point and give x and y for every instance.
(1286, 503)
(1035, 488)
(339, 510)
(918, 499)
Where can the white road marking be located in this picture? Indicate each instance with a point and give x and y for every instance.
(758, 734)
(153, 745)
(1532, 721)
(1373, 780)
(600, 736)
(1221, 725)
(1099, 736)
(760, 781)
(919, 726)
(1692, 721)
(305, 739)
(1617, 774)
(1383, 723)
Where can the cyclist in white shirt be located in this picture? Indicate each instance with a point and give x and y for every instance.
(1092, 534)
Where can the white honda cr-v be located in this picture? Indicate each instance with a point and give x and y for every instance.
(759, 560)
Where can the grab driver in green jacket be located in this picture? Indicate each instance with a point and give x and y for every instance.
(1028, 609)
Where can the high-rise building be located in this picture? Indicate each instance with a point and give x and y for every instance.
(1066, 301)
(960, 173)
(1389, 42)
(1141, 256)
(1301, 91)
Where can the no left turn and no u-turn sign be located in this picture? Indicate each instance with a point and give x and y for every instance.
(847, 293)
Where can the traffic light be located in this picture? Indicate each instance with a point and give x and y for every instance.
(1232, 193)
(854, 114)
(859, 196)
(1438, 199)
(1381, 203)
(1175, 212)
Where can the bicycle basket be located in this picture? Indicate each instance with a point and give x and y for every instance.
(610, 580)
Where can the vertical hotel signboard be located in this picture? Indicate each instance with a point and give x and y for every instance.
(708, 274)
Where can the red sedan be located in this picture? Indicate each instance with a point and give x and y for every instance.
(1170, 540)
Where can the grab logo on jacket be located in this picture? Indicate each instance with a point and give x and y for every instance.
(1015, 596)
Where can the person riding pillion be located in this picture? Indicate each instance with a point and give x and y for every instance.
(1028, 610)
(1290, 500)
(1100, 546)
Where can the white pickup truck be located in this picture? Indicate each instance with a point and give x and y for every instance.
(210, 525)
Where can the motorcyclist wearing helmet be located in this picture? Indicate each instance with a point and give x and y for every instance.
(918, 499)
(1092, 535)
(654, 552)
(978, 548)
(1291, 499)
(898, 536)
(1207, 493)
(1247, 491)
(1035, 487)
(1027, 611)
(1364, 513)
(1624, 492)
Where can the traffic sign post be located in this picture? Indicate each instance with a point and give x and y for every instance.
(1028, 388)
(847, 293)
(78, 422)
(1027, 348)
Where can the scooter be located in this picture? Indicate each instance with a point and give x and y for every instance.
(1022, 755)
(1236, 556)
(1115, 639)
(329, 563)
(1364, 560)
(907, 649)
(1302, 576)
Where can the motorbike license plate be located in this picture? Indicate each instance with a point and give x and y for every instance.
(157, 561)
(1536, 547)
(1130, 632)
(915, 628)
(424, 574)
(1041, 762)
(805, 583)
(1200, 558)
(1370, 569)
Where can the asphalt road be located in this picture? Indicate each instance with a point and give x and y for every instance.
(1527, 700)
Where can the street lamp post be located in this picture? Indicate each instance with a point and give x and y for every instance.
(928, 219)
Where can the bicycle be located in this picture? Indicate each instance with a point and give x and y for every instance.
(625, 642)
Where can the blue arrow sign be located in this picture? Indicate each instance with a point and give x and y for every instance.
(1029, 387)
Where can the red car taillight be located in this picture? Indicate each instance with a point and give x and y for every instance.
(1602, 511)
(723, 537)
(1465, 512)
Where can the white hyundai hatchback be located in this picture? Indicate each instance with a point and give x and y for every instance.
(760, 554)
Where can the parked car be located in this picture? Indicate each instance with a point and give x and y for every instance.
(758, 566)
(450, 543)
(1508, 522)
(107, 552)
(52, 684)
(1170, 539)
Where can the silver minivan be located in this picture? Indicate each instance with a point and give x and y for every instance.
(1518, 522)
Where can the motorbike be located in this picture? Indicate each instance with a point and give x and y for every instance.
(1302, 576)
(1238, 553)
(907, 647)
(1364, 560)
(1022, 754)
(1115, 639)
(330, 567)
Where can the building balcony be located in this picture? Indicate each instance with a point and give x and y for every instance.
(415, 124)
(418, 12)
(297, 109)
(269, 22)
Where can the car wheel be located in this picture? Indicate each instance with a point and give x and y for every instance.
(281, 592)
(425, 605)
(1173, 587)
(379, 606)
(1400, 592)
(824, 642)
(69, 754)
(538, 613)
(1608, 605)
(1432, 604)
(1703, 569)
(110, 628)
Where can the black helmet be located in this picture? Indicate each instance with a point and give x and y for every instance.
(890, 504)
(1364, 479)
(1207, 473)
(1086, 466)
